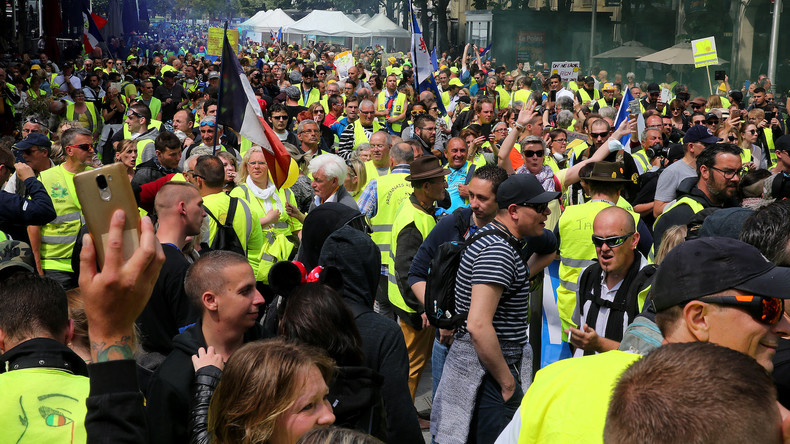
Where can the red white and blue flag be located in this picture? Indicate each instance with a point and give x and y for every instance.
(239, 109)
(421, 57)
(92, 23)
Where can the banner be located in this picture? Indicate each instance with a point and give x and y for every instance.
(343, 62)
(216, 37)
(567, 70)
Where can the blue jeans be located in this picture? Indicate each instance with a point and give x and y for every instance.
(492, 413)
(438, 356)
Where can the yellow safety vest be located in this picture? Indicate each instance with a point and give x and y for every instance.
(59, 236)
(602, 103)
(141, 144)
(127, 133)
(371, 173)
(577, 252)
(398, 105)
(391, 191)
(573, 86)
(586, 96)
(406, 214)
(641, 158)
(504, 97)
(359, 132)
(696, 207)
(522, 95)
(445, 98)
(155, 106)
(51, 401)
(276, 244)
(313, 96)
(581, 387)
(769, 141)
(245, 145)
(91, 113)
(746, 155)
(249, 233)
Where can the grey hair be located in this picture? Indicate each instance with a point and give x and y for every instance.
(212, 119)
(388, 136)
(333, 166)
(630, 75)
(534, 139)
(402, 153)
(67, 138)
(366, 102)
(608, 111)
(304, 122)
(565, 102)
(564, 119)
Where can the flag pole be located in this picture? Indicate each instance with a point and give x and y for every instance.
(413, 52)
(219, 92)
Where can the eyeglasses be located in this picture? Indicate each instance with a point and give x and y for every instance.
(597, 135)
(730, 174)
(82, 146)
(611, 241)
(530, 153)
(210, 124)
(419, 111)
(732, 138)
(762, 309)
(279, 117)
(367, 112)
(431, 129)
(539, 208)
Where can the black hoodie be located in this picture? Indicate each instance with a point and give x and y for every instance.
(359, 259)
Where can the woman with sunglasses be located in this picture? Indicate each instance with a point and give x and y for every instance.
(558, 146)
(749, 138)
(268, 204)
(319, 115)
(678, 117)
(415, 110)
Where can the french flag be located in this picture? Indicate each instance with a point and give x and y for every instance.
(91, 35)
(423, 73)
(239, 109)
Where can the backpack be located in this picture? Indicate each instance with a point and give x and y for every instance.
(226, 237)
(442, 274)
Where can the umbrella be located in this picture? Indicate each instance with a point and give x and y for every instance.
(680, 54)
(629, 50)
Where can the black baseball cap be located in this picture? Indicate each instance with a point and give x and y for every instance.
(523, 189)
(783, 143)
(701, 134)
(705, 266)
(653, 88)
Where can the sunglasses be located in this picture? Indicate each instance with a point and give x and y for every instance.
(82, 146)
(699, 122)
(539, 208)
(597, 135)
(530, 153)
(279, 117)
(419, 111)
(765, 310)
(132, 113)
(752, 131)
(713, 122)
(211, 124)
(611, 241)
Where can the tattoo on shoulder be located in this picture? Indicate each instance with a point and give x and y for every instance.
(121, 349)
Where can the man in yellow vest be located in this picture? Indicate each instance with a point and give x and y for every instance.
(147, 97)
(413, 221)
(588, 95)
(137, 120)
(391, 106)
(607, 99)
(719, 172)
(505, 90)
(44, 382)
(360, 131)
(53, 243)
(696, 281)
(308, 94)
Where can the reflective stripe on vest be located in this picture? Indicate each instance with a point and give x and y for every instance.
(406, 214)
(769, 141)
(576, 252)
(696, 207)
(59, 236)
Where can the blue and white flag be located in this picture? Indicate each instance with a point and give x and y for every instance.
(622, 115)
(485, 50)
(271, 35)
(434, 60)
(421, 58)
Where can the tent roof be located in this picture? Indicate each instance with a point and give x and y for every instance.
(679, 54)
(329, 23)
(381, 26)
(264, 21)
(361, 19)
(629, 50)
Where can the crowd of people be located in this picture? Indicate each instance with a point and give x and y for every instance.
(262, 314)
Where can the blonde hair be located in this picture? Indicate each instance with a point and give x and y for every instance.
(243, 171)
(673, 237)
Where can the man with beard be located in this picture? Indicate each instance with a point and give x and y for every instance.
(719, 172)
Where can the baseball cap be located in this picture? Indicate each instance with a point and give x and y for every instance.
(589, 79)
(295, 77)
(709, 265)
(170, 73)
(701, 134)
(213, 75)
(523, 188)
(726, 222)
(33, 139)
(653, 88)
(455, 82)
(782, 143)
(16, 254)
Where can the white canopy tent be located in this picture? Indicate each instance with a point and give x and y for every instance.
(265, 21)
(361, 19)
(387, 34)
(327, 23)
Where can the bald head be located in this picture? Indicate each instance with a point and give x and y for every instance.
(615, 218)
(171, 193)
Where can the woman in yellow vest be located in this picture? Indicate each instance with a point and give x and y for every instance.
(83, 112)
(750, 134)
(267, 204)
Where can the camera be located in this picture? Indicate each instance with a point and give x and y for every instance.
(657, 150)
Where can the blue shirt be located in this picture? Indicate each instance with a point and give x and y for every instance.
(455, 178)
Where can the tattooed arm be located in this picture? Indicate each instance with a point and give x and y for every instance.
(113, 299)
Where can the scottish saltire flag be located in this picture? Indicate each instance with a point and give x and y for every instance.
(238, 108)
(91, 36)
(421, 58)
(434, 60)
(622, 115)
(552, 347)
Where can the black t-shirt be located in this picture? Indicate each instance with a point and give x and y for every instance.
(176, 93)
(117, 117)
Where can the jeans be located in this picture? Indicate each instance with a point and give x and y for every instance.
(492, 413)
(438, 357)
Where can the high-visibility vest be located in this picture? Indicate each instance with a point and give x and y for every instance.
(59, 236)
(391, 191)
(769, 142)
(565, 385)
(577, 252)
(586, 96)
(141, 144)
(54, 405)
(602, 102)
(397, 107)
(244, 145)
(248, 231)
(313, 96)
(522, 95)
(641, 159)
(8, 103)
(406, 214)
(127, 133)
(504, 97)
(696, 207)
(155, 105)
(371, 172)
(359, 132)
(746, 155)
(91, 113)
(276, 244)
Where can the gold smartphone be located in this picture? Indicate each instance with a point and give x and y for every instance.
(100, 192)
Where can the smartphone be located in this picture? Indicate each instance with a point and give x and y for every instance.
(485, 129)
(633, 107)
(100, 192)
(552, 96)
(746, 84)
(665, 95)
(718, 75)
(769, 115)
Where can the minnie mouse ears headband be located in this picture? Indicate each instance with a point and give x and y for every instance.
(285, 276)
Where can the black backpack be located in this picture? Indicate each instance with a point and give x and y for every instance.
(226, 237)
(440, 284)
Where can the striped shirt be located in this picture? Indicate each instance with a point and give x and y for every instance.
(492, 260)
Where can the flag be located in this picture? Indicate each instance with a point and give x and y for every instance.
(91, 35)
(271, 34)
(423, 74)
(99, 20)
(485, 50)
(238, 108)
(434, 60)
(622, 115)
(280, 34)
